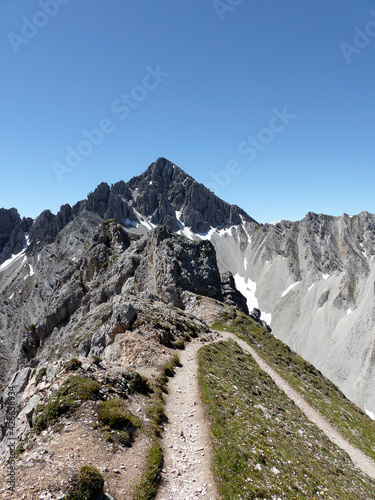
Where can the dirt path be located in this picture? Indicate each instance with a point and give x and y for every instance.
(361, 460)
(186, 442)
(187, 448)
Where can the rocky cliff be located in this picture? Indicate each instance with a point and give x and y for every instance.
(313, 280)
(13, 233)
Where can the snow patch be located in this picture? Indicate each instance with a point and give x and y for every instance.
(325, 276)
(371, 414)
(186, 231)
(31, 269)
(248, 289)
(5, 265)
(363, 250)
(245, 263)
(147, 224)
(27, 236)
(349, 311)
(129, 222)
(290, 287)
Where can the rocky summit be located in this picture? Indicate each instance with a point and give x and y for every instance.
(112, 286)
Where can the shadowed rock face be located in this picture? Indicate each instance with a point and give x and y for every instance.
(161, 191)
(12, 233)
(177, 264)
(9, 219)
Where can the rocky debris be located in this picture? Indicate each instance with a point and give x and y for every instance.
(187, 449)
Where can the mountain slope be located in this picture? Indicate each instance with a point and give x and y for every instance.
(316, 278)
(311, 279)
(106, 297)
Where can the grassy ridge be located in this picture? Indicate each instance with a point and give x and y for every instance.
(264, 446)
(354, 424)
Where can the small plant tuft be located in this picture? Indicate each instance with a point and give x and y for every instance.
(65, 401)
(96, 360)
(73, 365)
(113, 414)
(179, 344)
(40, 375)
(136, 383)
(89, 485)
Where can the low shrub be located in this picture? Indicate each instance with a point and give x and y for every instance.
(88, 486)
(113, 414)
(136, 383)
(179, 344)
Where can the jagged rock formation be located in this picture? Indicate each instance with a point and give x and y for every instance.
(163, 195)
(89, 264)
(13, 232)
(313, 279)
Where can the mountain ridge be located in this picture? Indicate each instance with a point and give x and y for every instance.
(311, 279)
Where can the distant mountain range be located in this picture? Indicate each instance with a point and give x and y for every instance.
(313, 280)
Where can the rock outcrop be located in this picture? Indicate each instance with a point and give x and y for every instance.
(13, 231)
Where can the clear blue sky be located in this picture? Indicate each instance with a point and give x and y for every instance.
(225, 72)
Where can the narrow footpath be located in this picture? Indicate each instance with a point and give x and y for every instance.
(186, 438)
(359, 459)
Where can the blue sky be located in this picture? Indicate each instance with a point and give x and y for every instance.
(258, 99)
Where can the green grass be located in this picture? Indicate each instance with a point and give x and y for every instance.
(179, 344)
(73, 365)
(167, 371)
(136, 384)
(89, 485)
(155, 413)
(117, 423)
(65, 401)
(264, 446)
(354, 424)
(147, 487)
(113, 414)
